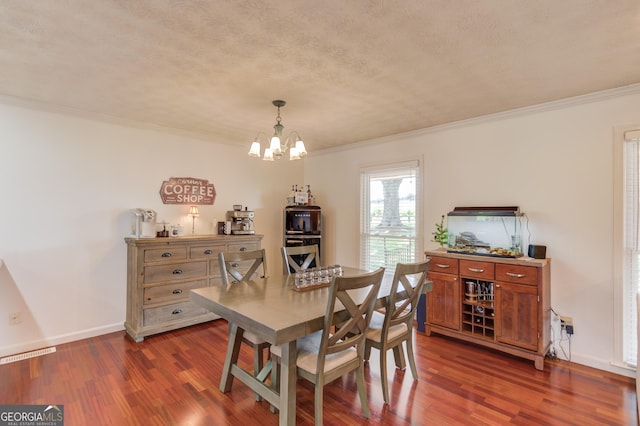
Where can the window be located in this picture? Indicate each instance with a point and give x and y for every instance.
(390, 218)
(631, 245)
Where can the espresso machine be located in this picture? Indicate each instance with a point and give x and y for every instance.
(241, 220)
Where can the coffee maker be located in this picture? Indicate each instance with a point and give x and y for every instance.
(145, 223)
(241, 220)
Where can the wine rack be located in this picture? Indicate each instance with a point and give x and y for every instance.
(478, 308)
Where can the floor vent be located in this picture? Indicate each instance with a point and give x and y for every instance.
(27, 355)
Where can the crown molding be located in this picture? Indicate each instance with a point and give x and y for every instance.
(543, 107)
(518, 112)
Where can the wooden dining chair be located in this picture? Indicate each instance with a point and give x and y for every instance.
(298, 258)
(329, 353)
(243, 266)
(389, 330)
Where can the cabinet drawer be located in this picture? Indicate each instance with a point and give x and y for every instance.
(214, 267)
(173, 312)
(517, 274)
(171, 292)
(164, 254)
(174, 272)
(443, 264)
(476, 269)
(205, 252)
(243, 246)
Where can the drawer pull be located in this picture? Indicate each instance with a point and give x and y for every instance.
(177, 291)
(511, 274)
(177, 271)
(243, 249)
(235, 265)
(166, 254)
(476, 270)
(498, 286)
(208, 251)
(442, 265)
(176, 312)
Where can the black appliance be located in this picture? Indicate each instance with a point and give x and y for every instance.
(303, 227)
(537, 252)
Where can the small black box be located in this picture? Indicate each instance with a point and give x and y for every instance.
(537, 252)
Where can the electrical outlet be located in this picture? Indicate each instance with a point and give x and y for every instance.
(14, 318)
(565, 321)
(566, 324)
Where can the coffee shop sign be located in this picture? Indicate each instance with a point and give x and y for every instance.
(187, 190)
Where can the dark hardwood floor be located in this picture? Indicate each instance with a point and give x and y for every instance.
(173, 378)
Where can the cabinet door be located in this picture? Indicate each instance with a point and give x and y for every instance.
(516, 314)
(443, 301)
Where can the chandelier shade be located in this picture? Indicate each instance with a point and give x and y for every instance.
(277, 147)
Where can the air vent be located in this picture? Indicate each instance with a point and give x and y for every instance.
(27, 355)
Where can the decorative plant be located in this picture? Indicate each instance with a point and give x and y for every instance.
(441, 236)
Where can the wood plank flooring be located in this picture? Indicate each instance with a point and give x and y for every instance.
(173, 378)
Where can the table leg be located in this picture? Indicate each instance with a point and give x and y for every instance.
(288, 384)
(233, 350)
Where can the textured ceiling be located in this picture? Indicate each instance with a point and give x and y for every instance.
(349, 70)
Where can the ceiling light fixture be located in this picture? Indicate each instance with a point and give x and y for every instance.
(277, 147)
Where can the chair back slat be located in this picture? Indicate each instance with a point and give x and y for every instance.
(355, 318)
(233, 264)
(408, 283)
(308, 253)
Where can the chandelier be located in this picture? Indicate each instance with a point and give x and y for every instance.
(277, 147)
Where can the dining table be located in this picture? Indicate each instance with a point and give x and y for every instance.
(279, 313)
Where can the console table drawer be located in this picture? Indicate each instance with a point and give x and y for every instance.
(476, 269)
(175, 271)
(243, 246)
(445, 265)
(206, 252)
(517, 274)
(171, 292)
(172, 312)
(165, 254)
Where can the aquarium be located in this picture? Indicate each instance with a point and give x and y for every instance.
(485, 231)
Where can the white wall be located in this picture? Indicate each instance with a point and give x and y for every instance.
(67, 186)
(68, 183)
(555, 162)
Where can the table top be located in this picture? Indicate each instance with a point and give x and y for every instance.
(272, 309)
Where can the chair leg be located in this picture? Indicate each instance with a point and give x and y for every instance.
(398, 355)
(362, 391)
(367, 350)
(412, 360)
(383, 374)
(318, 402)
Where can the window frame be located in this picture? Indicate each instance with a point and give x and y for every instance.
(619, 201)
(365, 173)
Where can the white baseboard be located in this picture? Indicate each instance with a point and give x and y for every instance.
(603, 365)
(60, 339)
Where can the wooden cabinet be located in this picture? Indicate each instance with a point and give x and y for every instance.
(162, 271)
(445, 292)
(501, 303)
